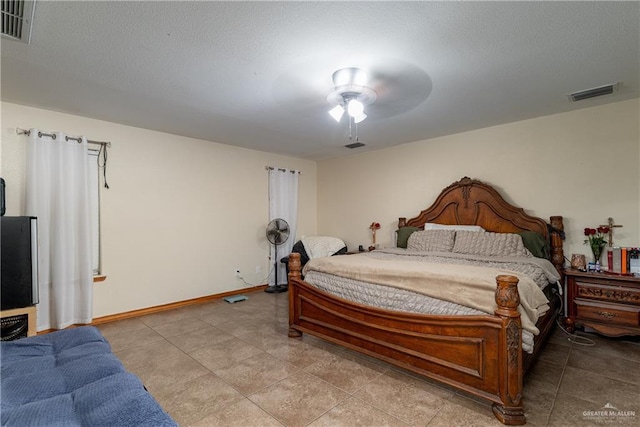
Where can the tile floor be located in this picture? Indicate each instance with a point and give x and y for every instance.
(221, 364)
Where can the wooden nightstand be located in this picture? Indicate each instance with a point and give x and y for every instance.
(607, 303)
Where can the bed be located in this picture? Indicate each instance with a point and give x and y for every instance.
(71, 378)
(481, 354)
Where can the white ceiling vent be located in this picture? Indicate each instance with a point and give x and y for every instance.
(592, 93)
(17, 17)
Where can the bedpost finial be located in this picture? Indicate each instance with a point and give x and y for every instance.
(507, 296)
(294, 266)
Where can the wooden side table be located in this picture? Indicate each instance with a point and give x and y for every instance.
(607, 303)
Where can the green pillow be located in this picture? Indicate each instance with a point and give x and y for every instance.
(536, 243)
(403, 235)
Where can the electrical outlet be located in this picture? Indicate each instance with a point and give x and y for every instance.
(258, 269)
(237, 272)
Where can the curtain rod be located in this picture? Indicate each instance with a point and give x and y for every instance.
(270, 168)
(51, 135)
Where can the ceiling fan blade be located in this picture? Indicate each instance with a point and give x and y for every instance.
(293, 88)
(401, 87)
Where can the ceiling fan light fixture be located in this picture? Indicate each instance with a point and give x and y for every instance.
(358, 118)
(349, 76)
(355, 108)
(350, 94)
(337, 112)
(350, 83)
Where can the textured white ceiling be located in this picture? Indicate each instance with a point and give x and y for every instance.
(256, 74)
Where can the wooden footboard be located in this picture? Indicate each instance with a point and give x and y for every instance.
(481, 355)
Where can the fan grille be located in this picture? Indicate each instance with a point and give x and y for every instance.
(277, 231)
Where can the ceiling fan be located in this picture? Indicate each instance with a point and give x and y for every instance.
(383, 88)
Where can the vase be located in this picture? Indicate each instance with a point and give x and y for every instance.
(597, 252)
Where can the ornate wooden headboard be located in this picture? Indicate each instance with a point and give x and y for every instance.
(472, 202)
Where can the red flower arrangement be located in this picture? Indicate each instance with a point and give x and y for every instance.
(596, 240)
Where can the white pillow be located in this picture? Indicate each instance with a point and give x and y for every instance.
(321, 246)
(434, 226)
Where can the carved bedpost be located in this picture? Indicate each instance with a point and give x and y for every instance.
(511, 411)
(295, 273)
(557, 253)
(402, 222)
(294, 266)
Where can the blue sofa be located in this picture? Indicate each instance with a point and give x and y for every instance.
(71, 378)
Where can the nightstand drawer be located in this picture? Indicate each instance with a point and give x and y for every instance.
(618, 294)
(610, 313)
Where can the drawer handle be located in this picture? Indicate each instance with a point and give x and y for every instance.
(606, 314)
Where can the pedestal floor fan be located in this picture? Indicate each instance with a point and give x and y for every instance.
(277, 233)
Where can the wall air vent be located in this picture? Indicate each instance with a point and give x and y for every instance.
(17, 17)
(592, 93)
(355, 145)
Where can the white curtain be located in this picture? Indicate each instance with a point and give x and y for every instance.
(283, 203)
(58, 195)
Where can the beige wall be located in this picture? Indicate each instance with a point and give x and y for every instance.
(583, 165)
(181, 213)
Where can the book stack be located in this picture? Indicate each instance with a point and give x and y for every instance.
(624, 261)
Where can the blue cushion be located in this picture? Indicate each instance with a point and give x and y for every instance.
(71, 378)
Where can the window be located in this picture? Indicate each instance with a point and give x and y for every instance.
(94, 200)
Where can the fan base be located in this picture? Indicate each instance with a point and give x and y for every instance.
(276, 289)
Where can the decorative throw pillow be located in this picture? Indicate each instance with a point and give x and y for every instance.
(489, 244)
(431, 241)
(536, 243)
(402, 235)
(456, 227)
